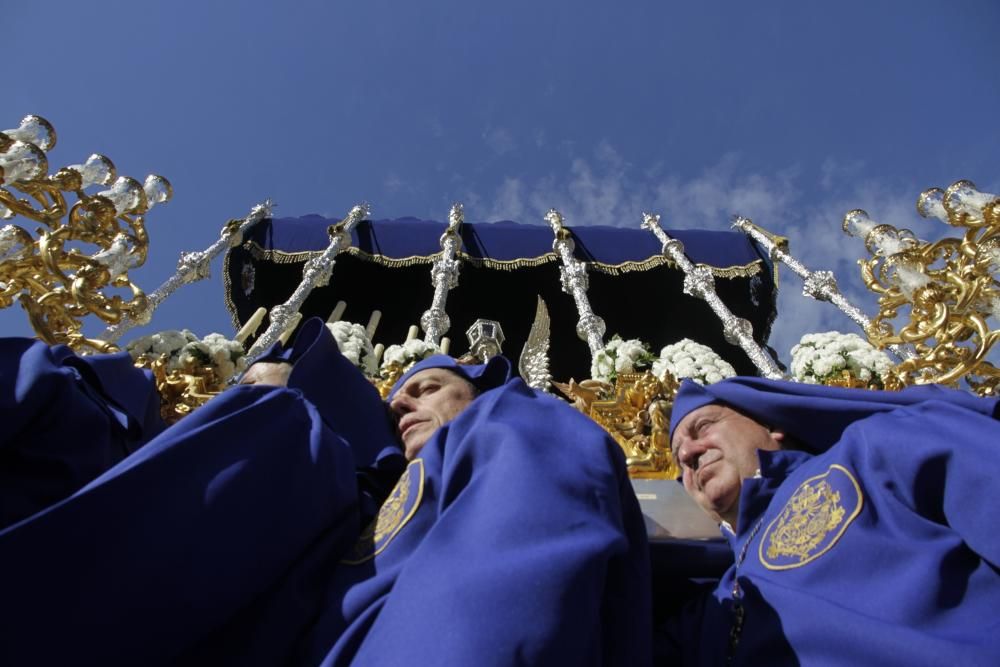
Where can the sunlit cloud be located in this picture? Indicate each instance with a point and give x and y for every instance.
(604, 189)
(499, 140)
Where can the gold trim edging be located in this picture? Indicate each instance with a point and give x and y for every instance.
(259, 253)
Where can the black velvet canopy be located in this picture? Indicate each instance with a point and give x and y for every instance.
(504, 266)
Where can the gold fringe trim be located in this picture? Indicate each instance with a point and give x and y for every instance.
(508, 264)
(227, 287)
(282, 257)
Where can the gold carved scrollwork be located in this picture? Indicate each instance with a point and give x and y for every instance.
(891, 381)
(946, 290)
(390, 375)
(181, 390)
(635, 411)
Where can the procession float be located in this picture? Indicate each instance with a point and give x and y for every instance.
(610, 318)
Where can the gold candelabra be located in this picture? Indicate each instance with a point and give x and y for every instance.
(946, 290)
(83, 249)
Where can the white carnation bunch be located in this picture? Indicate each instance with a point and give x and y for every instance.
(227, 356)
(409, 352)
(688, 359)
(354, 344)
(169, 343)
(620, 356)
(821, 356)
(184, 349)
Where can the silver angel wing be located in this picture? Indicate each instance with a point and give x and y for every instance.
(534, 362)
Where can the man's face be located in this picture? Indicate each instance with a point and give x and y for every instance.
(428, 400)
(716, 448)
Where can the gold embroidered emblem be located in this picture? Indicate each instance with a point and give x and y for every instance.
(395, 512)
(812, 520)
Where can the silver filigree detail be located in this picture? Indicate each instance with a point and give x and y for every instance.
(194, 266)
(435, 323)
(444, 276)
(191, 266)
(573, 276)
(316, 272)
(699, 282)
(820, 285)
(735, 329)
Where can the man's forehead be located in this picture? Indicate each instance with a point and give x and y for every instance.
(710, 410)
(438, 374)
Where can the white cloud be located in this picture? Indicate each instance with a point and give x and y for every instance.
(393, 183)
(499, 140)
(508, 202)
(605, 189)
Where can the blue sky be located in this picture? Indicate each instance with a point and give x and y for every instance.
(790, 113)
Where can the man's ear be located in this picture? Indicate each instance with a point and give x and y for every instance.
(777, 435)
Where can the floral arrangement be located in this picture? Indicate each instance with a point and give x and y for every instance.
(413, 350)
(620, 356)
(184, 350)
(167, 343)
(354, 344)
(688, 359)
(822, 357)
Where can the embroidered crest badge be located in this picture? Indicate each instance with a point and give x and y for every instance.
(812, 520)
(247, 278)
(395, 512)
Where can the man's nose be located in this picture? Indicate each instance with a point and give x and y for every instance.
(400, 405)
(689, 452)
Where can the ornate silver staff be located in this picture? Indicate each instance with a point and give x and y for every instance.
(444, 277)
(316, 273)
(573, 274)
(699, 282)
(819, 285)
(191, 267)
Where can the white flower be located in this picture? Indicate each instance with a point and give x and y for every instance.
(821, 356)
(195, 354)
(688, 359)
(620, 356)
(354, 344)
(169, 343)
(182, 348)
(602, 367)
(228, 356)
(409, 352)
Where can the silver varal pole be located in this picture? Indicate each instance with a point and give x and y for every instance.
(191, 267)
(444, 277)
(819, 285)
(573, 274)
(699, 282)
(316, 273)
